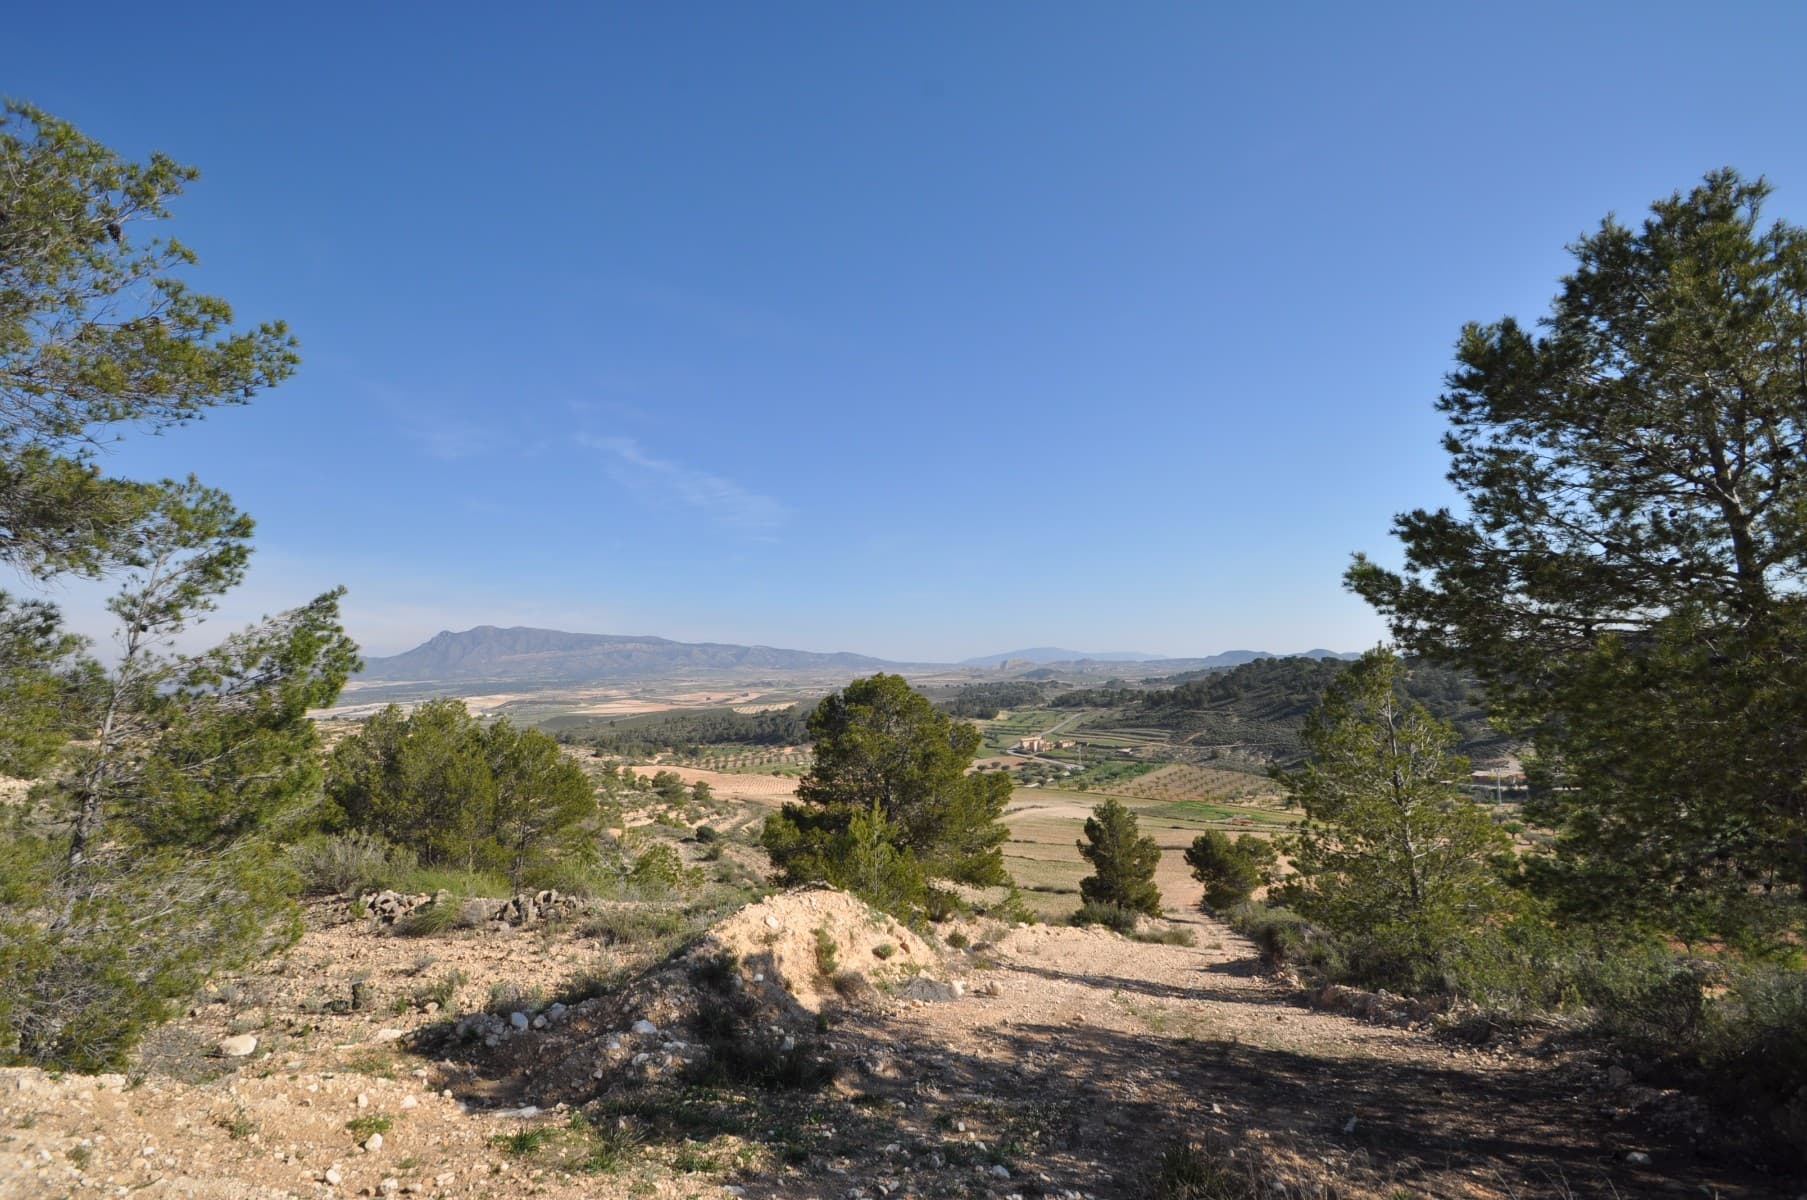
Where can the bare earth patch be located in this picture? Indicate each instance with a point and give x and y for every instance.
(1061, 1065)
(767, 790)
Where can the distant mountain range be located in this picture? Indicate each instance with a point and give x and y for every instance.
(1046, 655)
(1235, 658)
(1054, 654)
(522, 655)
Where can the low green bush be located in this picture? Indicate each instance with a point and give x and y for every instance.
(1122, 920)
(658, 864)
(1189, 1171)
(441, 991)
(457, 882)
(361, 1128)
(1176, 935)
(716, 972)
(523, 1142)
(1754, 1047)
(588, 983)
(607, 1147)
(1286, 939)
(1653, 1003)
(429, 920)
(826, 961)
(507, 998)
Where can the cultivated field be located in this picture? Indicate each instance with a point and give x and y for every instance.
(1046, 825)
(769, 791)
(1177, 782)
(555, 707)
(756, 760)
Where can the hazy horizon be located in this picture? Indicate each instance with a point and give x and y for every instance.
(934, 660)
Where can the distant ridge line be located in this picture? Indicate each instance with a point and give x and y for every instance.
(521, 654)
(524, 654)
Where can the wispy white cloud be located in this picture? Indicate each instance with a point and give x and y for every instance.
(433, 432)
(722, 500)
(453, 441)
(618, 409)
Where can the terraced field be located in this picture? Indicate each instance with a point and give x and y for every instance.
(1123, 738)
(1179, 782)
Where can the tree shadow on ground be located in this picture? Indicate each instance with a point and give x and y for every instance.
(1070, 1107)
(1087, 1109)
(1203, 990)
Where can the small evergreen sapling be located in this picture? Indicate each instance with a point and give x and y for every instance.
(1123, 862)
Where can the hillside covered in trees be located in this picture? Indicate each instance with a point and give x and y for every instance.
(686, 731)
(984, 701)
(1261, 706)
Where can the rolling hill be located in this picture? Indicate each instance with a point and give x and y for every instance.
(1259, 708)
(1051, 661)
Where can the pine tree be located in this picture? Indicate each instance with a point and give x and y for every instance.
(1627, 571)
(149, 856)
(884, 754)
(98, 330)
(1392, 852)
(1230, 870)
(543, 800)
(1123, 862)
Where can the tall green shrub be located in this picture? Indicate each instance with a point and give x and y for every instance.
(1231, 870)
(456, 793)
(1392, 854)
(1123, 862)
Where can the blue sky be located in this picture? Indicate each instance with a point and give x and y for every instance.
(919, 330)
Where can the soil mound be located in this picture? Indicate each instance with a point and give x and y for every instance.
(746, 1002)
(814, 943)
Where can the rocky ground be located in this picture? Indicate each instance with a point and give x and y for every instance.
(809, 1048)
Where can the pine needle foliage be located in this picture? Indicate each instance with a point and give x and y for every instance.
(1123, 862)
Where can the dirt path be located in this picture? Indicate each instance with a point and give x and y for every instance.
(1128, 1046)
(1072, 1058)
